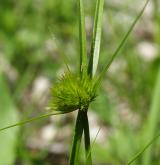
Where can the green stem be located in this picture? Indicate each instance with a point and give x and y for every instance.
(103, 72)
(29, 120)
(153, 117)
(82, 39)
(81, 123)
(77, 139)
(87, 139)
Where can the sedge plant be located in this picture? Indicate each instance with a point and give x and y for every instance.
(76, 91)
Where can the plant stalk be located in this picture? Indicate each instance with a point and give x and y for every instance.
(153, 117)
(87, 139)
(81, 124)
(77, 139)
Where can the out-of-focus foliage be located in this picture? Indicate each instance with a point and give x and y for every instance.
(36, 39)
(8, 114)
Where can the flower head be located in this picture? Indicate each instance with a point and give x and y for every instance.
(72, 92)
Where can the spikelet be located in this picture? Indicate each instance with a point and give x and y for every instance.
(72, 92)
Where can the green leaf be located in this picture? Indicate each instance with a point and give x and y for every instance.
(91, 147)
(77, 139)
(143, 150)
(8, 113)
(29, 120)
(82, 39)
(121, 43)
(96, 39)
(87, 139)
(153, 120)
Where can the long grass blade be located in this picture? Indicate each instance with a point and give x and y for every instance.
(30, 120)
(77, 139)
(96, 39)
(82, 39)
(153, 120)
(143, 150)
(121, 43)
(87, 139)
(153, 116)
(83, 71)
(93, 143)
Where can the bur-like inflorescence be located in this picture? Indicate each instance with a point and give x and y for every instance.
(72, 92)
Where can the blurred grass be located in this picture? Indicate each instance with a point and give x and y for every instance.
(8, 114)
(35, 35)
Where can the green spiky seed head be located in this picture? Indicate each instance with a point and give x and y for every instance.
(72, 92)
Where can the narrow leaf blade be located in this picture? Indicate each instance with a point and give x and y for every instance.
(29, 120)
(82, 39)
(96, 39)
(143, 150)
(8, 112)
(122, 43)
(153, 120)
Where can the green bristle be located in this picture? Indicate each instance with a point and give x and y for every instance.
(71, 93)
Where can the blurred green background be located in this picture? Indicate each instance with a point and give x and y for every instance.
(37, 37)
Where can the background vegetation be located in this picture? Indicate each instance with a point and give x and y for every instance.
(36, 38)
